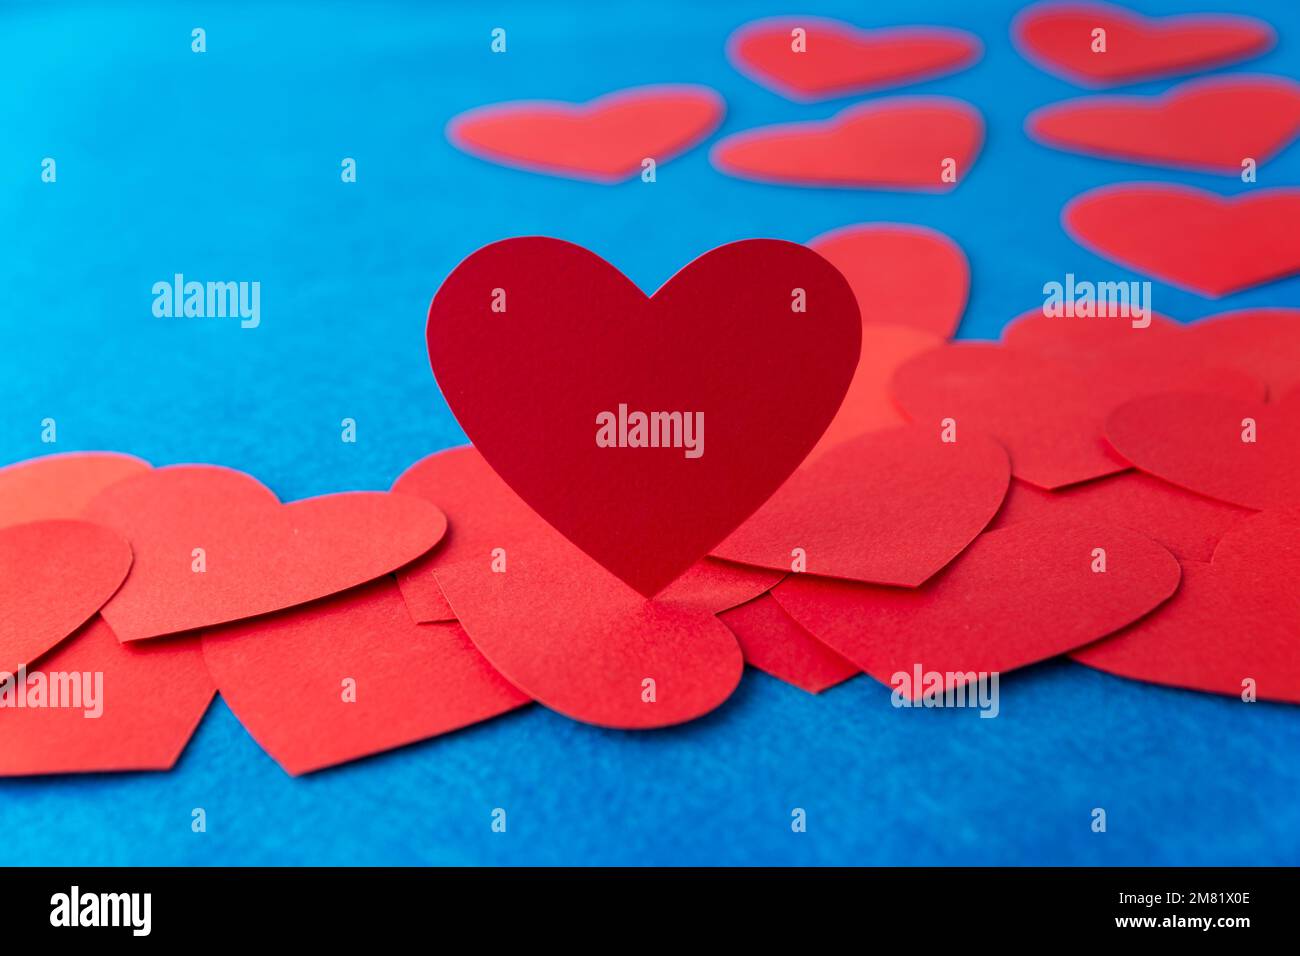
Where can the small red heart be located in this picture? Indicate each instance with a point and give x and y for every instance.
(901, 275)
(1213, 245)
(286, 676)
(60, 486)
(1048, 413)
(1013, 598)
(556, 391)
(838, 59)
(1060, 38)
(1198, 442)
(257, 555)
(773, 641)
(54, 576)
(1210, 124)
(150, 698)
(1235, 618)
(605, 140)
(914, 142)
(1049, 336)
(891, 507)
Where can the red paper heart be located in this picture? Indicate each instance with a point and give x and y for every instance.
(904, 143)
(1196, 441)
(839, 60)
(260, 556)
(1235, 618)
(151, 698)
(891, 507)
(54, 576)
(1059, 38)
(1213, 245)
(284, 675)
(1068, 340)
(1049, 414)
(485, 515)
(578, 640)
(538, 386)
(1013, 598)
(60, 486)
(773, 641)
(604, 140)
(901, 275)
(1210, 124)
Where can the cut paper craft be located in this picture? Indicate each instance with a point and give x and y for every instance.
(488, 522)
(1014, 597)
(1069, 338)
(901, 275)
(1048, 413)
(1242, 452)
(812, 58)
(1209, 244)
(890, 507)
(605, 140)
(1233, 626)
(591, 400)
(54, 576)
(213, 545)
(581, 642)
(1189, 525)
(773, 641)
(350, 676)
(60, 486)
(120, 706)
(914, 142)
(1063, 38)
(1211, 124)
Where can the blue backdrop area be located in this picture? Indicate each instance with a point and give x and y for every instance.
(226, 166)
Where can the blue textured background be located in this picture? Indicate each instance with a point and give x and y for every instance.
(226, 166)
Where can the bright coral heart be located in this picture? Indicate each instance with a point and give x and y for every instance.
(60, 486)
(1243, 452)
(54, 576)
(1209, 124)
(1234, 624)
(1213, 245)
(921, 142)
(121, 706)
(1048, 413)
(591, 400)
(901, 275)
(813, 58)
(1014, 597)
(773, 641)
(605, 140)
(214, 545)
(349, 676)
(891, 507)
(1063, 38)
(1053, 337)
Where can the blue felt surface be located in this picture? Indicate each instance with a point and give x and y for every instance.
(226, 166)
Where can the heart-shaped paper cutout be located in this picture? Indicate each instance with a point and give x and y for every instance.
(1062, 38)
(1234, 619)
(120, 706)
(256, 555)
(565, 391)
(487, 522)
(54, 576)
(1211, 124)
(605, 140)
(349, 676)
(1049, 414)
(60, 486)
(1068, 340)
(828, 58)
(1212, 245)
(1013, 598)
(891, 507)
(1243, 452)
(913, 142)
(773, 641)
(901, 275)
